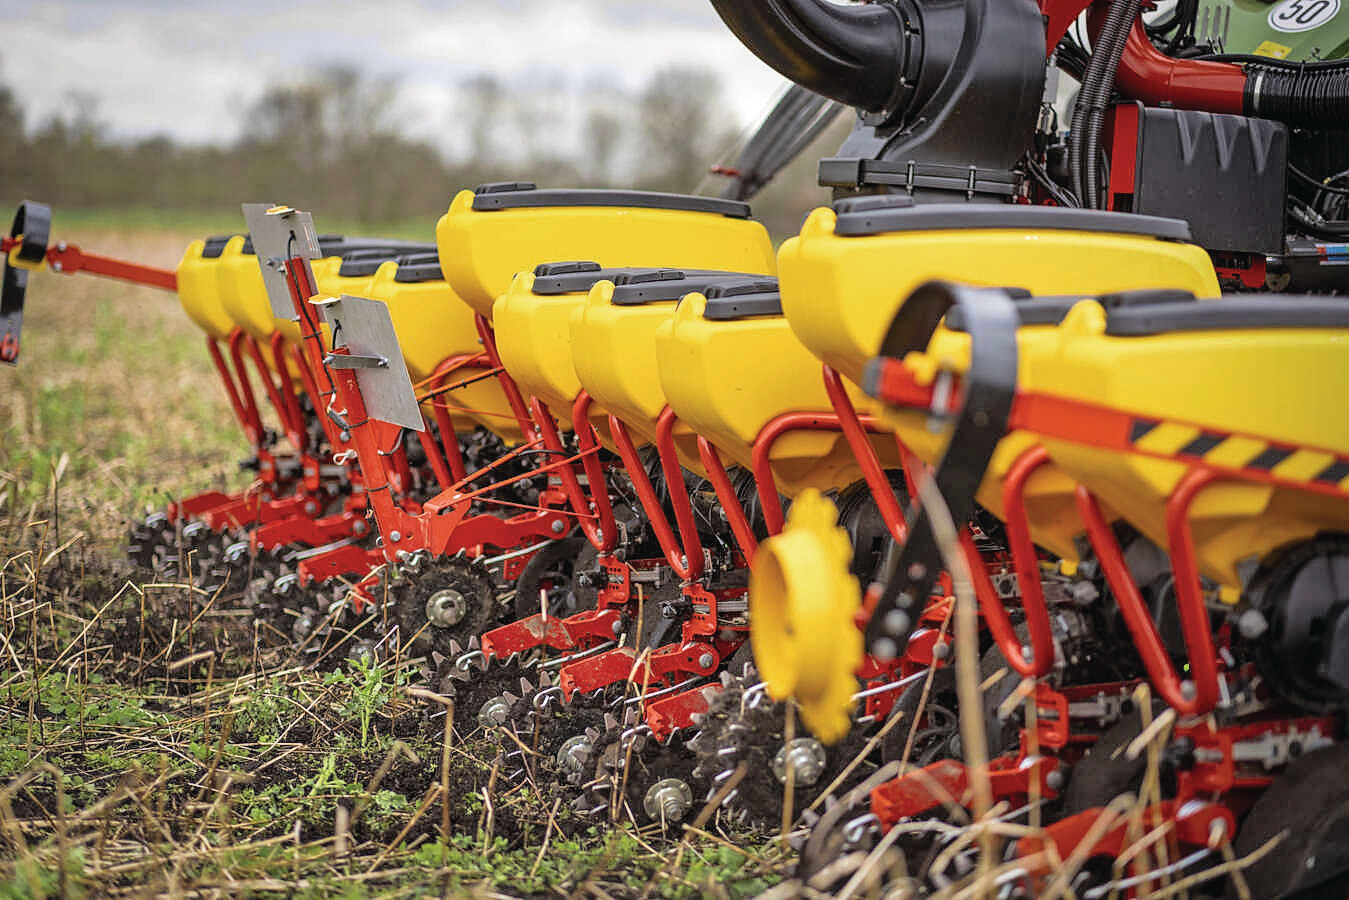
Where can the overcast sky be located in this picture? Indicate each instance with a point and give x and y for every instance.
(189, 68)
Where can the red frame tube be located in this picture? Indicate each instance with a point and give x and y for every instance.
(855, 433)
(594, 512)
(730, 502)
(686, 558)
(1026, 564)
(252, 429)
(1137, 617)
(1147, 74)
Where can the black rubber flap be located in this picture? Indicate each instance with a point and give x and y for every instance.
(525, 196)
(743, 300)
(1240, 313)
(911, 571)
(1051, 310)
(34, 222)
(555, 279)
(418, 268)
(658, 285)
(975, 216)
(215, 246)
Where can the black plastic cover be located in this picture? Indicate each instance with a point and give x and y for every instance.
(418, 268)
(656, 285)
(743, 300)
(364, 261)
(1050, 310)
(976, 216)
(1227, 175)
(1246, 312)
(215, 246)
(523, 195)
(555, 279)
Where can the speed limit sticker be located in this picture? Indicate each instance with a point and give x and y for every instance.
(1302, 15)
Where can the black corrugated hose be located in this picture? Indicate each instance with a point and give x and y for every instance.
(1313, 96)
(1089, 111)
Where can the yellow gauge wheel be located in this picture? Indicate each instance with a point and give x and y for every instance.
(803, 607)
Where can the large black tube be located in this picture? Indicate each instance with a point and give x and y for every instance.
(1301, 97)
(853, 54)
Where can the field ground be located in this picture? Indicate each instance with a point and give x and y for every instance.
(150, 744)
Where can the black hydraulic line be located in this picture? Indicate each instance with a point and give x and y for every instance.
(795, 121)
(1089, 111)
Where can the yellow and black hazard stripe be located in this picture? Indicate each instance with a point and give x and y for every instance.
(1238, 451)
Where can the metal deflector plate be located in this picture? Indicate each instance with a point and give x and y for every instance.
(365, 329)
(278, 236)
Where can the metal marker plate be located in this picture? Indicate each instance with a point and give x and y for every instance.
(276, 238)
(365, 329)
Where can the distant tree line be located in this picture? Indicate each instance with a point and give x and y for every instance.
(333, 141)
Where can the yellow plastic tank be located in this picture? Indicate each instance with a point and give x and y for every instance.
(492, 233)
(845, 274)
(533, 331)
(613, 337)
(729, 365)
(1251, 382)
(199, 284)
(434, 325)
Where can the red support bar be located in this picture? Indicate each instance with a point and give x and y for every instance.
(1199, 698)
(69, 259)
(730, 503)
(251, 430)
(508, 385)
(236, 345)
(594, 512)
(273, 392)
(1026, 564)
(298, 433)
(853, 430)
(684, 565)
(679, 494)
(1194, 618)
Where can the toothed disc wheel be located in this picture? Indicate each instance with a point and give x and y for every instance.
(149, 540)
(484, 692)
(638, 779)
(438, 602)
(744, 725)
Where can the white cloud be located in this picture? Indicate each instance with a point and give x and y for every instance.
(190, 69)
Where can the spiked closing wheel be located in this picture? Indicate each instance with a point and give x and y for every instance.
(803, 609)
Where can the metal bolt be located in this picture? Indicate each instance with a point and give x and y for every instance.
(618, 627)
(917, 571)
(1027, 653)
(668, 800)
(558, 527)
(1054, 780)
(1252, 623)
(706, 660)
(897, 622)
(494, 713)
(941, 651)
(395, 536)
(446, 608)
(345, 436)
(806, 756)
(573, 755)
(311, 508)
(57, 267)
(885, 649)
(1188, 690)
(359, 527)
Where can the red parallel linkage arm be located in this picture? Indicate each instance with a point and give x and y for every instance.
(69, 259)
